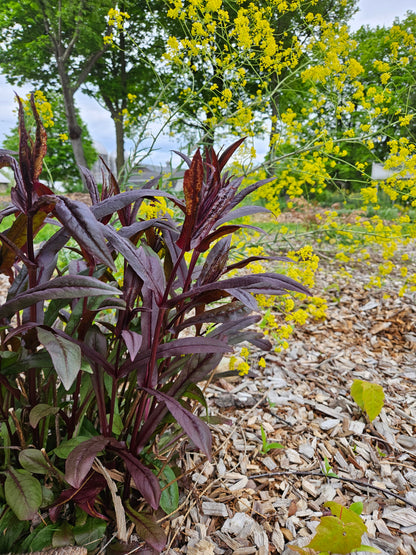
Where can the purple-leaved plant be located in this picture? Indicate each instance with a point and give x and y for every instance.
(96, 375)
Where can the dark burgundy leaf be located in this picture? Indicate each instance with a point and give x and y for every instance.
(133, 342)
(193, 426)
(224, 313)
(91, 184)
(147, 528)
(39, 147)
(18, 193)
(243, 263)
(144, 261)
(267, 283)
(240, 213)
(67, 287)
(76, 217)
(192, 185)
(228, 152)
(177, 347)
(113, 204)
(220, 232)
(24, 151)
(47, 256)
(244, 297)
(84, 497)
(79, 461)
(247, 190)
(143, 477)
(184, 157)
(215, 262)
(139, 227)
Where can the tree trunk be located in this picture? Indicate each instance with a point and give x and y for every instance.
(75, 131)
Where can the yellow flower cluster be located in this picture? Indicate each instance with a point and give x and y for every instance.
(43, 107)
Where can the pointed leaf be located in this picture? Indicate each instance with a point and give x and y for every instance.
(41, 411)
(169, 500)
(240, 213)
(7, 159)
(228, 152)
(133, 342)
(193, 426)
(66, 287)
(79, 461)
(65, 355)
(23, 493)
(220, 232)
(39, 147)
(154, 276)
(24, 150)
(266, 283)
(91, 184)
(192, 185)
(147, 528)
(113, 204)
(77, 218)
(177, 347)
(143, 260)
(143, 477)
(346, 515)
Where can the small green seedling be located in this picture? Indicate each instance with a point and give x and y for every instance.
(339, 533)
(327, 469)
(271, 404)
(369, 397)
(268, 446)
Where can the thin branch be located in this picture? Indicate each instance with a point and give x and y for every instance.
(343, 479)
(88, 66)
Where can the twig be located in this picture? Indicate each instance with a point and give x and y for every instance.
(343, 479)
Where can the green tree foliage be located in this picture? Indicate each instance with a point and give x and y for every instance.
(59, 159)
(125, 80)
(54, 47)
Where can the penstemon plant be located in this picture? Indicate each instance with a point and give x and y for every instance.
(99, 375)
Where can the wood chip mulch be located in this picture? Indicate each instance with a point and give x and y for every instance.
(247, 502)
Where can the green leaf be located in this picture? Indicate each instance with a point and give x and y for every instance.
(91, 533)
(346, 515)
(373, 398)
(41, 411)
(357, 507)
(169, 500)
(33, 461)
(10, 530)
(357, 393)
(63, 536)
(40, 538)
(340, 533)
(367, 548)
(23, 493)
(368, 396)
(334, 534)
(69, 445)
(65, 355)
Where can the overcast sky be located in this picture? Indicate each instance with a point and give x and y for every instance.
(372, 12)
